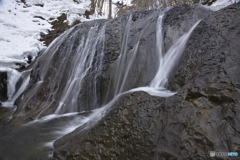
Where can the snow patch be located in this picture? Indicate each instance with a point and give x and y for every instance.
(22, 23)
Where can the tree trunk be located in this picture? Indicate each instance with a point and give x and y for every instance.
(110, 10)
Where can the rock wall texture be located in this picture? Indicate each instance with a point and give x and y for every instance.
(203, 116)
(55, 67)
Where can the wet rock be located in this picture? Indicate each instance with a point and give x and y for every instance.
(119, 135)
(55, 65)
(177, 21)
(99, 84)
(202, 117)
(5, 115)
(3, 86)
(181, 18)
(140, 126)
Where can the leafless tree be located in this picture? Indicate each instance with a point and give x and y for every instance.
(110, 10)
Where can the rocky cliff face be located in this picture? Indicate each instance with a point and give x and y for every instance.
(202, 117)
(51, 88)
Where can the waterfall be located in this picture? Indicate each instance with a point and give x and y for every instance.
(81, 66)
(13, 91)
(75, 64)
(171, 58)
(126, 61)
(166, 61)
(121, 74)
(122, 70)
(68, 74)
(73, 83)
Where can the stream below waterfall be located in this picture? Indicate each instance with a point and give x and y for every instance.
(35, 140)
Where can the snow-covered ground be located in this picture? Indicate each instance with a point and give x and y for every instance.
(21, 24)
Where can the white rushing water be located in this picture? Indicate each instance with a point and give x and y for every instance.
(166, 61)
(13, 90)
(170, 59)
(157, 85)
(83, 62)
(65, 117)
(80, 68)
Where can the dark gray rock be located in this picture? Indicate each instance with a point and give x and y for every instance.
(127, 132)
(53, 69)
(3, 86)
(202, 117)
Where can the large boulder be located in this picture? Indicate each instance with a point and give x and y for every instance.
(202, 117)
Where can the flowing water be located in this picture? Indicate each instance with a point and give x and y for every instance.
(13, 93)
(38, 136)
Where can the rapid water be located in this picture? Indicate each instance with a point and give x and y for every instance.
(59, 114)
(13, 92)
(80, 68)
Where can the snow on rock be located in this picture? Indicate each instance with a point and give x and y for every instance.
(54, 8)
(18, 34)
(21, 25)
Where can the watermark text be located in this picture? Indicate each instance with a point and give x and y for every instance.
(223, 154)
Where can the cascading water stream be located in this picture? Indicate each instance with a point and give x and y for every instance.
(166, 64)
(120, 74)
(167, 61)
(81, 66)
(13, 77)
(170, 59)
(86, 60)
